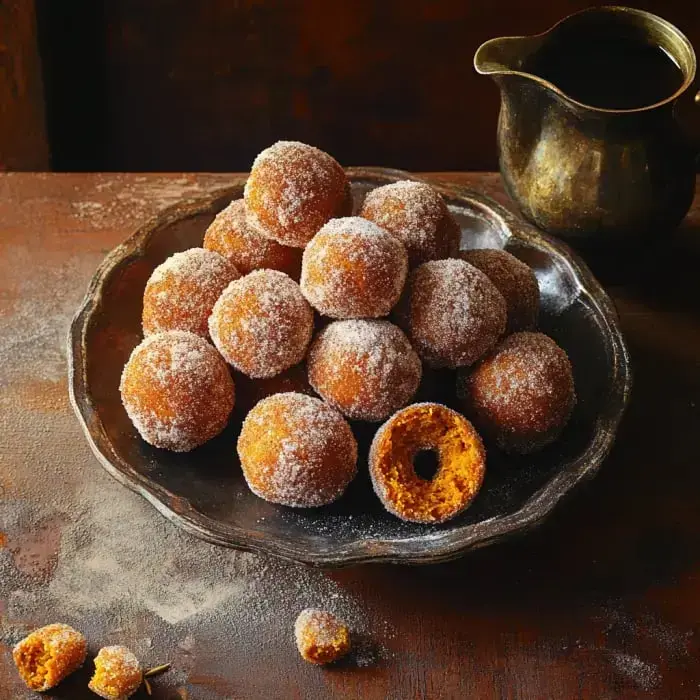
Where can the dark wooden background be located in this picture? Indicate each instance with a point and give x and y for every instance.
(182, 85)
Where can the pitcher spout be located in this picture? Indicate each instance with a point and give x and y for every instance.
(505, 55)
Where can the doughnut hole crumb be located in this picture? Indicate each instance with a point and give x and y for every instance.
(177, 390)
(364, 368)
(297, 451)
(353, 269)
(514, 280)
(321, 637)
(417, 215)
(522, 394)
(294, 189)
(461, 463)
(118, 674)
(248, 249)
(48, 655)
(262, 324)
(181, 292)
(453, 313)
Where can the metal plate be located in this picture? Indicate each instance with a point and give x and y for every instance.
(204, 492)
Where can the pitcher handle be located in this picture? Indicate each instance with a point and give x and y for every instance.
(687, 113)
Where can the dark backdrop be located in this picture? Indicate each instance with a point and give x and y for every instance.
(204, 85)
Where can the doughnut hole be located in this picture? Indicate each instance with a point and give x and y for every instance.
(262, 324)
(231, 235)
(294, 189)
(177, 391)
(461, 463)
(514, 280)
(522, 394)
(452, 312)
(297, 451)
(353, 269)
(366, 369)
(417, 215)
(181, 292)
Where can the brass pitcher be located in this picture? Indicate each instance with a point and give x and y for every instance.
(599, 125)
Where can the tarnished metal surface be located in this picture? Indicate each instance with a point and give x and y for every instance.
(594, 173)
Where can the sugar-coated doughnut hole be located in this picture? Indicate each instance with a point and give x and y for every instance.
(461, 463)
(262, 324)
(320, 636)
(453, 313)
(177, 390)
(353, 269)
(231, 235)
(48, 655)
(522, 394)
(118, 674)
(297, 451)
(417, 215)
(181, 292)
(514, 280)
(294, 189)
(365, 368)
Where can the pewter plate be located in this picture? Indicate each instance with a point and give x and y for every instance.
(204, 492)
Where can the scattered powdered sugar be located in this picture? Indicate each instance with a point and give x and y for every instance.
(292, 190)
(231, 235)
(181, 292)
(262, 324)
(417, 215)
(296, 450)
(645, 675)
(522, 391)
(454, 313)
(514, 280)
(177, 390)
(353, 268)
(366, 369)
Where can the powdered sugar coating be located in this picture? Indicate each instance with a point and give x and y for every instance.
(177, 390)
(453, 313)
(522, 394)
(181, 292)
(118, 673)
(294, 189)
(320, 636)
(353, 269)
(297, 451)
(514, 280)
(417, 215)
(66, 647)
(231, 235)
(262, 324)
(364, 368)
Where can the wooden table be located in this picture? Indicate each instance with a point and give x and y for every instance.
(602, 602)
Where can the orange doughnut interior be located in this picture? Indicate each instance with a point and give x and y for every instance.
(37, 665)
(461, 463)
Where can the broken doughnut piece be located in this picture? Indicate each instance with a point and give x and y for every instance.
(118, 673)
(321, 637)
(48, 655)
